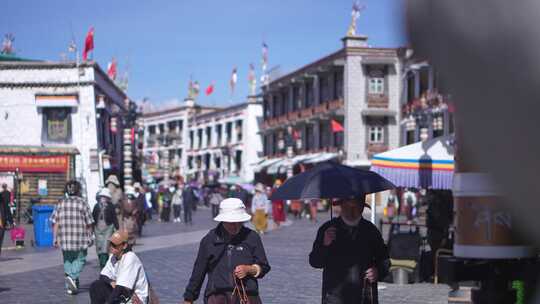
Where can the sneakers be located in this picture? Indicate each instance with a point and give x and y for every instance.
(71, 285)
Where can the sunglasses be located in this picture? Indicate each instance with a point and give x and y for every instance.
(116, 246)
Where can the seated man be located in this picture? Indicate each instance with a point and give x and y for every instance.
(123, 279)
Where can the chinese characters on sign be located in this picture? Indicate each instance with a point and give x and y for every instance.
(34, 163)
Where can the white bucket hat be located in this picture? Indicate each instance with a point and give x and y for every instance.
(105, 192)
(232, 210)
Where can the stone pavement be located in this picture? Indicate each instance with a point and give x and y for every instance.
(168, 251)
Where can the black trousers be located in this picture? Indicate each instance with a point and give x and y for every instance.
(187, 213)
(177, 209)
(166, 214)
(2, 232)
(100, 291)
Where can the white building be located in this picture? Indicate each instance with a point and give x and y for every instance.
(203, 143)
(164, 144)
(58, 122)
(225, 143)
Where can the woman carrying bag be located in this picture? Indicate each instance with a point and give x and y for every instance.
(233, 258)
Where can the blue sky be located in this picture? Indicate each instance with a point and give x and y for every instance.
(166, 41)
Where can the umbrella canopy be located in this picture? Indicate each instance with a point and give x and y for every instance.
(330, 180)
(428, 164)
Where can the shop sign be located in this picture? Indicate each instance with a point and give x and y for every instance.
(34, 163)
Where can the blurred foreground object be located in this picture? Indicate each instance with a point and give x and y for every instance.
(487, 55)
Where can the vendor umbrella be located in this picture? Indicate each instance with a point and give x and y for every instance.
(330, 180)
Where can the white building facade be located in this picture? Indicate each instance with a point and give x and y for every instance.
(202, 144)
(55, 115)
(224, 144)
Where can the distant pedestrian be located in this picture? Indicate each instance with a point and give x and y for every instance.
(117, 195)
(190, 201)
(105, 223)
(166, 201)
(6, 219)
(278, 206)
(233, 259)
(150, 201)
(123, 279)
(215, 198)
(72, 231)
(130, 214)
(296, 209)
(177, 203)
(141, 207)
(260, 208)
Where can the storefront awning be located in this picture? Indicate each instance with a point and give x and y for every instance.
(428, 164)
(281, 166)
(266, 163)
(321, 157)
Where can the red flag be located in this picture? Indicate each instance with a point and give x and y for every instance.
(111, 69)
(209, 89)
(88, 43)
(336, 127)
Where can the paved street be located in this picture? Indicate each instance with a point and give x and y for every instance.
(168, 251)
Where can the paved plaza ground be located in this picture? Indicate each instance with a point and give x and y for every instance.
(168, 251)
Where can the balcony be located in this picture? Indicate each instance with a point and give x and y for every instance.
(377, 101)
(335, 104)
(306, 113)
(292, 116)
(322, 108)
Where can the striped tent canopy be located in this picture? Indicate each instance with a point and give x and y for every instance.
(428, 164)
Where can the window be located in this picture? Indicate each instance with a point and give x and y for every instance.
(151, 130)
(219, 130)
(161, 128)
(190, 162)
(296, 103)
(208, 136)
(376, 85)
(338, 85)
(191, 139)
(376, 135)
(171, 126)
(57, 125)
(228, 131)
(200, 137)
(238, 160)
(309, 95)
(238, 130)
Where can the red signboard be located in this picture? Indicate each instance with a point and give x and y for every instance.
(58, 163)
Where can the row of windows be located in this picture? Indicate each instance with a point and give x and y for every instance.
(282, 104)
(172, 126)
(218, 130)
(224, 162)
(302, 96)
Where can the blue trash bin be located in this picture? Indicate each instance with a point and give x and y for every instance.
(43, 232)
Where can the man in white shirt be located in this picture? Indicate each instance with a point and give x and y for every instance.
(123, 279)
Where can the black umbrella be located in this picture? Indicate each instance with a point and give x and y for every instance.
(330, 180)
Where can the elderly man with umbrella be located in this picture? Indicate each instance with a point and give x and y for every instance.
(349, 249)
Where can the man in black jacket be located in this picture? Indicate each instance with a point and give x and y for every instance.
(352, 254)
(5, 213)
(232, 256)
